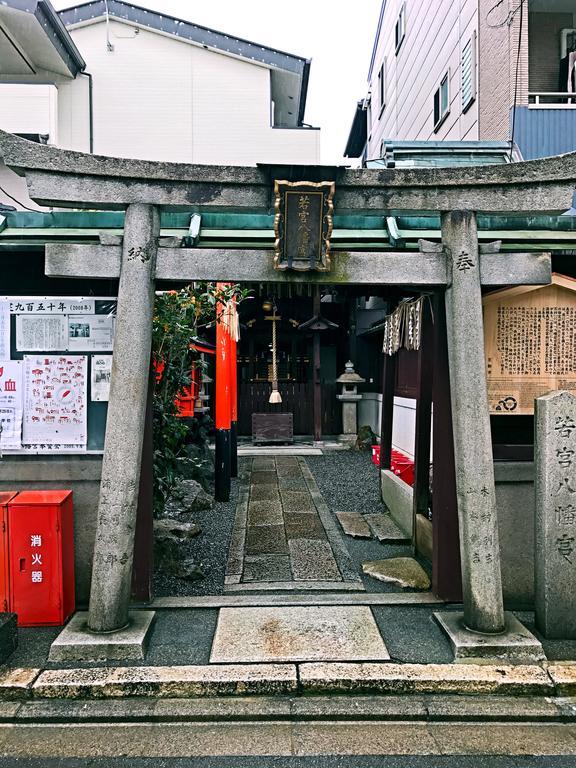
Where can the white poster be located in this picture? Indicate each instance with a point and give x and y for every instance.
(42, 333)
(90, 332)
(4, 330)
(101, 372)
(55, 391)
(11, 399)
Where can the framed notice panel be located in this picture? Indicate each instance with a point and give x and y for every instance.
(55, 367)
(530, 344)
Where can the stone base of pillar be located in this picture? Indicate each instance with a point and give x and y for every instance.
(77, 643)
(516, 645)
(348, 438)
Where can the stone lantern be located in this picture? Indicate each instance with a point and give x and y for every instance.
(349, 398)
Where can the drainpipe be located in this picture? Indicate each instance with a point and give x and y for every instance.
(90, 110)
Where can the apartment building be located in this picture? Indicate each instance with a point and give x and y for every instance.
(471, 70)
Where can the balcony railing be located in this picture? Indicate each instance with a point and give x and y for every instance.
(551, 100)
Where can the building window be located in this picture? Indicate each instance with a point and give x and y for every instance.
(442, 102)
(401, 27)
(382, 87)
(468, 69)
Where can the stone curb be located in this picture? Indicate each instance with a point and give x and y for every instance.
(167, 682)
(16, 683)
(260, 680)
(424, 678)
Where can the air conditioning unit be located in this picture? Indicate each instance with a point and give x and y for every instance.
(567, 41)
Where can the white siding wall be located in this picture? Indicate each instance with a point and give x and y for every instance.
(158, 98)
(29, 109)
(435, 36)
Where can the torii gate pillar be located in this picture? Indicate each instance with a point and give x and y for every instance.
(116, 525)
(475, 489)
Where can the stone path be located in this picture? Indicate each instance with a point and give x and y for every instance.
(284, 536)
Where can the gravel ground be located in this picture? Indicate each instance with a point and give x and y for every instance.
(348, 481)
(209, 549)
(341, 474)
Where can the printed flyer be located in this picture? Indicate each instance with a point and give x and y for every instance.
(55, 391)
(11, 404)
(90, 333)
(101, 369)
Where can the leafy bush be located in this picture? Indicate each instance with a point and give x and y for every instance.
(179, 317)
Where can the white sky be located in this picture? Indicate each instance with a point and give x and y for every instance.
(336, 34)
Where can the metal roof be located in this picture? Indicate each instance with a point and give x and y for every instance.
(194, 33)
(23, 21)
(358, 132)
(25, 230)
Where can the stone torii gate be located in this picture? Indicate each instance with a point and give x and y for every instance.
(71, 179)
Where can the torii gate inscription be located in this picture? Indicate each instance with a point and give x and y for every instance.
(71, 179)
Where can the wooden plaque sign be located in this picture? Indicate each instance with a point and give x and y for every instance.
(530, 344)
(303, 224)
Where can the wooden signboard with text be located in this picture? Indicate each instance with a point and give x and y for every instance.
(530, 344)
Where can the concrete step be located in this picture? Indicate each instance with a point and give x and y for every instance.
(214, 680)
(261, 600)
(424, 708)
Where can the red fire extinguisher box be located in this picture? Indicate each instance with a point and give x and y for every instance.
(41, 553)
(5, 601)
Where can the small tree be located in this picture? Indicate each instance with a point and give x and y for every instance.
(179, 316)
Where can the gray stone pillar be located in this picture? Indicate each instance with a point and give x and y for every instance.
(478, 524)
(555, 545)
(114, 546)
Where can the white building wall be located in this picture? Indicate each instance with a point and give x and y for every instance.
(159, 98)
(29, 108)
(435, 36)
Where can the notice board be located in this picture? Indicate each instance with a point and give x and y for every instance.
(55, 363)
(530, 344)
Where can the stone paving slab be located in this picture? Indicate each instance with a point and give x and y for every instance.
(289, 472)
(265, 513)
(266, 540)
(267, 568)
(264, 478)
(385, 529)
(425, 678)
(297, 501)
(261, 464)
(264, 493)
(302, 525)
(250, 635)
(353, 524)
(312, 560)
(405, 571)
(292, 483)
(167, 682)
